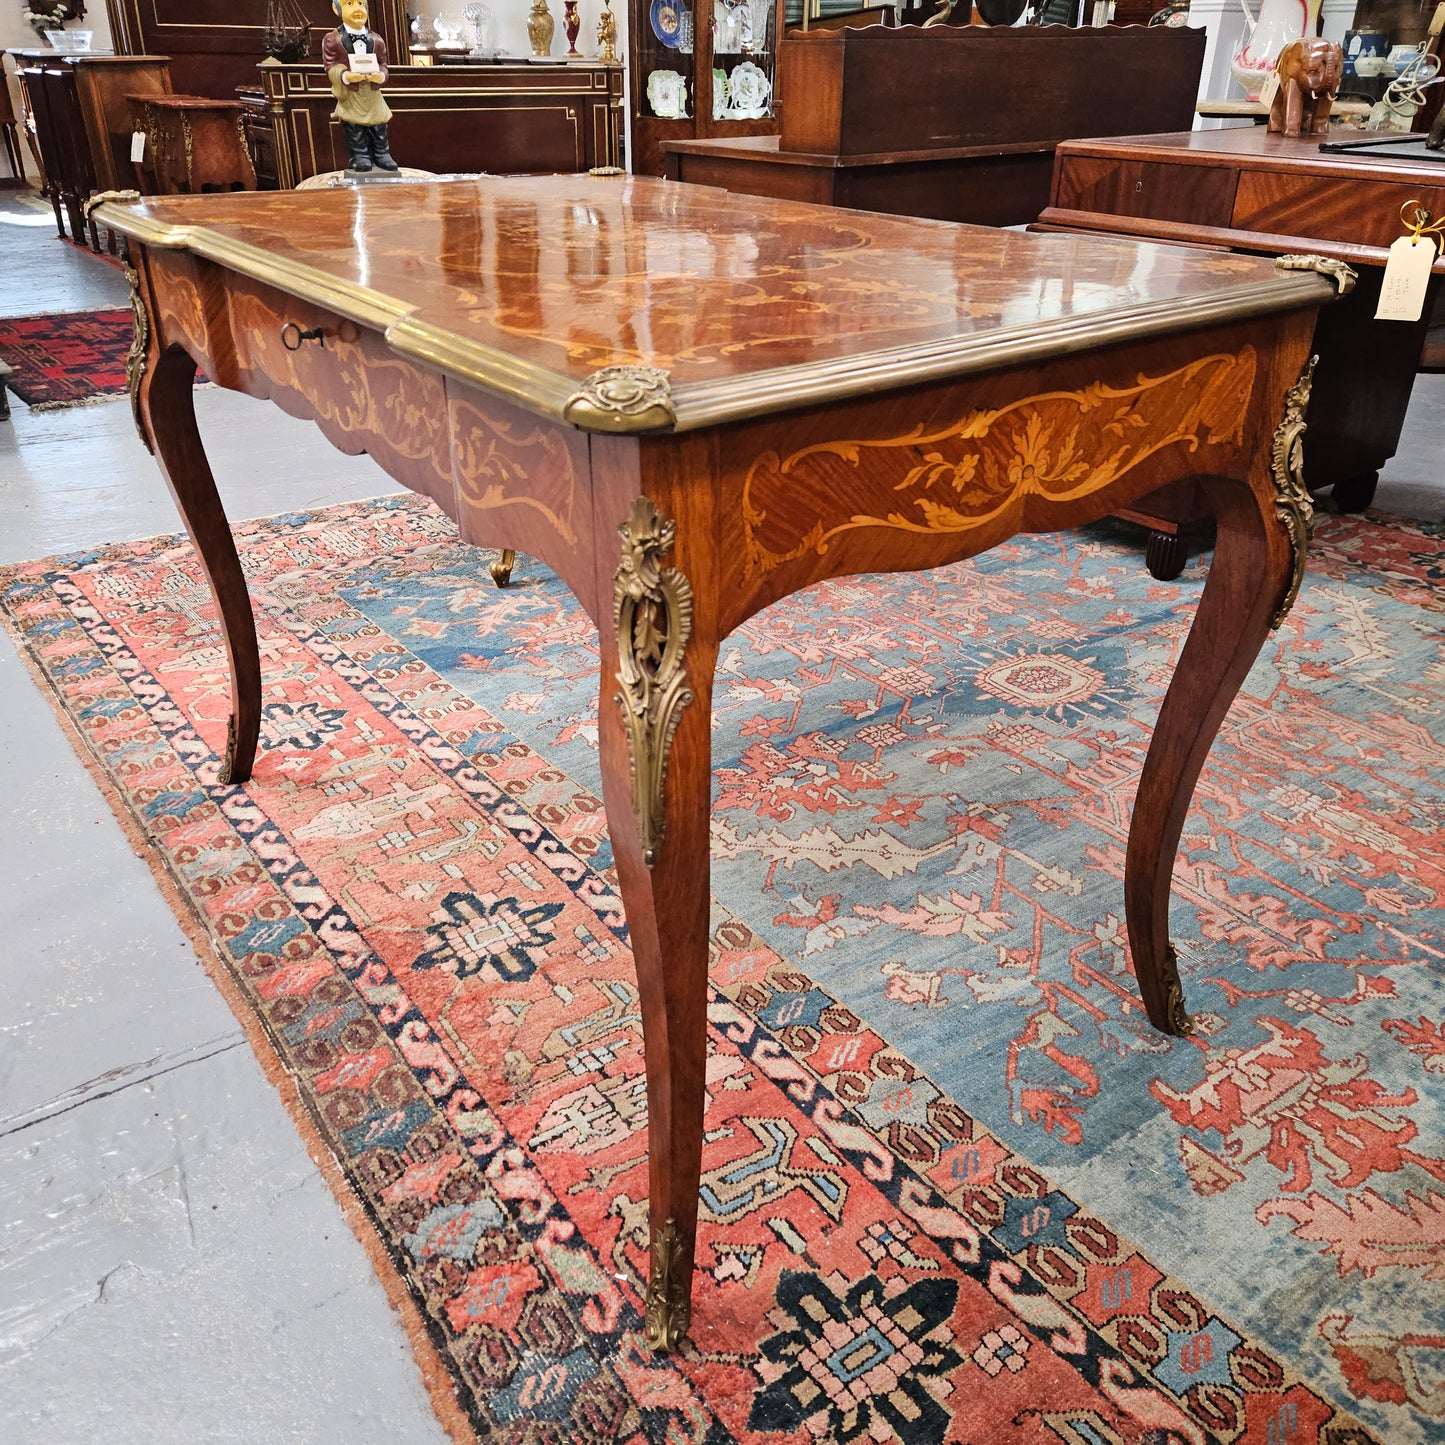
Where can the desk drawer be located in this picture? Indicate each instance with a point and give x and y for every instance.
(1329, 208)
(1195, 195)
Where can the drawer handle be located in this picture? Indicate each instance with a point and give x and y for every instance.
(292, 336)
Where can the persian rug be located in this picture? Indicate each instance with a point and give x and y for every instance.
(67, 359)
(955, 1188)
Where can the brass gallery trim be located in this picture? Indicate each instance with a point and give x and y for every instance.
(1292, 502)
(750, 394)
(652, 609)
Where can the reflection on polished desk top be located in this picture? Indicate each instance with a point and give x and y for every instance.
(529, 285)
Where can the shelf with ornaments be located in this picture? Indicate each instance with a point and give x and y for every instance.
(701, 68)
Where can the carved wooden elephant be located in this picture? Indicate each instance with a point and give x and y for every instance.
(1309, 75)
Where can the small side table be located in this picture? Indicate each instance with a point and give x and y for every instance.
(193, 144)
(10, 132)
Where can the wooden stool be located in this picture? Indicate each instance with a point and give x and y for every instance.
(193, 144)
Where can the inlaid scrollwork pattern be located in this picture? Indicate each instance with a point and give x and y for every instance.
(1059, 446)
(667, 1310)
(653, 613)
(1292, 502)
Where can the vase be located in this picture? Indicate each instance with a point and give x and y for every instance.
(571, 23)
(1265, 35)
(540, 28)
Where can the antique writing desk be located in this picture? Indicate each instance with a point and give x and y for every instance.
(691, 411)
(1252, 191)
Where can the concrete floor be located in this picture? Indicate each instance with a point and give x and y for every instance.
(172, 1266)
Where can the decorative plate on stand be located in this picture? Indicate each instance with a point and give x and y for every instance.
(667, 94)
(666, 16)
(748, 91)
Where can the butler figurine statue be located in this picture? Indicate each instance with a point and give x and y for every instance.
(355, 59)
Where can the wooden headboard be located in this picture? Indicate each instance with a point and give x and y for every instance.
(215, 45)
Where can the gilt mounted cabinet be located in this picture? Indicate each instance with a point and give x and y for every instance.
(701, 68)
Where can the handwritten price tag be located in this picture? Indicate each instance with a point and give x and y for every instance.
(1269, 89)
(137, 146)
(1407, 275)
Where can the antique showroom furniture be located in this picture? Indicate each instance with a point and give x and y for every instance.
(447, 118)
(700, 68)
(4, 395)
(1250, 191)
(986, 105)
(690, 409)
(214, 44)
(192, 144)
(83, 124)
(10, 133)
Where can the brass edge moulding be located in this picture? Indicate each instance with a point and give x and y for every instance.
(652, 609)
(760, 392)
(1292, 502)
(534, 387)
(667, 1308)
(1340, 272)
(357, 303)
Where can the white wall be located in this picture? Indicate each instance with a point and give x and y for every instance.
(509, 23)
(1225, 22)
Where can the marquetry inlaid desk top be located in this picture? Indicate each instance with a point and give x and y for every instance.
(528, 286)
(798, 393)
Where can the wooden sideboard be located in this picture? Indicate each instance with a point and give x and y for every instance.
(83, 124)
(985, 107)
(458, 118)
(215, 45)
(1247, 190)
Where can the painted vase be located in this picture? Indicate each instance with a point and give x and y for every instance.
(1266, 34)
(540, 28)
(572, 23)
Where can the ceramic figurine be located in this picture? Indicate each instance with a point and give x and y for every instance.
(363, 114)
(1309, 76)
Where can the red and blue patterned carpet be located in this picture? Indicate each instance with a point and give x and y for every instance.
(955, 1188)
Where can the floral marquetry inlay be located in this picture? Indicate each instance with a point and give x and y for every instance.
(1059, 446)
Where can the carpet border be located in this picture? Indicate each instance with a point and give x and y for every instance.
(436, 1375)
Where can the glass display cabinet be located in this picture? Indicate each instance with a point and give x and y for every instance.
(701, 68)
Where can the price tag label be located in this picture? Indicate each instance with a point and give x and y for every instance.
(1407, 275)
(1269, 89)
(138, 146)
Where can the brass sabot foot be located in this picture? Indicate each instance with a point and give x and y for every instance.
(502, 567)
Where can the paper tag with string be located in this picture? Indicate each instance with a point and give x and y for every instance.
(1407, 272)
(1269, 89)
(138, 145)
